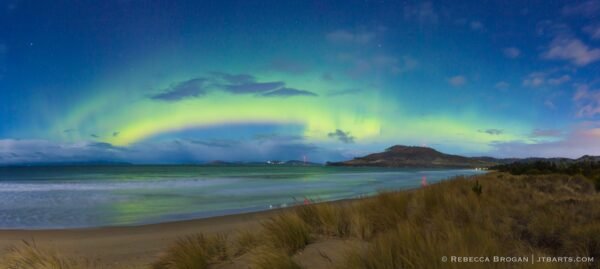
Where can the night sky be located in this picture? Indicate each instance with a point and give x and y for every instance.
(192, 81)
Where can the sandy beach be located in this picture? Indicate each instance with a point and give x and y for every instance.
(129, 246)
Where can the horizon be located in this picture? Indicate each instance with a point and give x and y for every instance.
(101, 162)
(189, 82)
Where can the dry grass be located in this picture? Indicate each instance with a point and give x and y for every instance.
(270, 258)
(549, 215)
(193, 252)
(514, 216)
(326, 219)
(245, 241)
(28, 255)
(287, 232)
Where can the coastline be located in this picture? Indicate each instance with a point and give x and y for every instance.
(139, 245)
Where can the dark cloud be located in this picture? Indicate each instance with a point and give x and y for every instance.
(287, 92)
(232, 83)
(492, 131)
(256, 87)
(69, 131)
(115, 134)
(546, 133)
(219, 143)
(104, 146)
(234, 79)
(344, 92)
(277, 137)
(183, 90)
(171, 151)
(342, 136)
(94, 136)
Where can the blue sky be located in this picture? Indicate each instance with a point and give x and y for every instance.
(193, 81)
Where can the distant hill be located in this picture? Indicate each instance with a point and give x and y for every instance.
(289, 163)
(84, 163)
(412, 156)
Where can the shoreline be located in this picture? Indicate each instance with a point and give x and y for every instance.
(135, 245)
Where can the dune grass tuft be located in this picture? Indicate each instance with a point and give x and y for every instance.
(269, 258)
(28, 255)
(194, 252)
(287, 232)
(326, 219)
(245, 241)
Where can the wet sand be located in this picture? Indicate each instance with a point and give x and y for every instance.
(130, 245)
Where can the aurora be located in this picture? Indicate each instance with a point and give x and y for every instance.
(200, 81)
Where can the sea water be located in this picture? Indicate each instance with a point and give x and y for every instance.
(51, 197)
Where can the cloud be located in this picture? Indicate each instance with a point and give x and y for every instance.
(559, 80)
(219, 143)
(342, 136)
(422, 12)
(14, 151)
(255, 87)
(587, 101)
(492, 131)
(535, 79)
(549, 28)
(546, 133)
(511, 52)
(347, 37)
(344, 92)
(287, 92)
(588, 8)
(581, 140)
(116, 133)
(169, 151)
(361, 65)
(572, 50)
(538, 79)
(457, 81)
(593, 30)
(502, 85)
(183, 90)
(477, 26)
(234, 79)
(231, 83)
(549, 104)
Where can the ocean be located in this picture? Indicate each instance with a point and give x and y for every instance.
(60, 197)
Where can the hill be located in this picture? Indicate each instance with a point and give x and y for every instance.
(413, 156)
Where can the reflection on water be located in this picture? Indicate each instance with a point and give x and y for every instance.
(66, 197)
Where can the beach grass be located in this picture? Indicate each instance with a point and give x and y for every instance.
(494, 214)
(287, 232)
(194, 252)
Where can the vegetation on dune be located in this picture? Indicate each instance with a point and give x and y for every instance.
(496, 214)
(588, 168)
(194, 252)
(28, 255)
(269, 258)
(287, 232)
